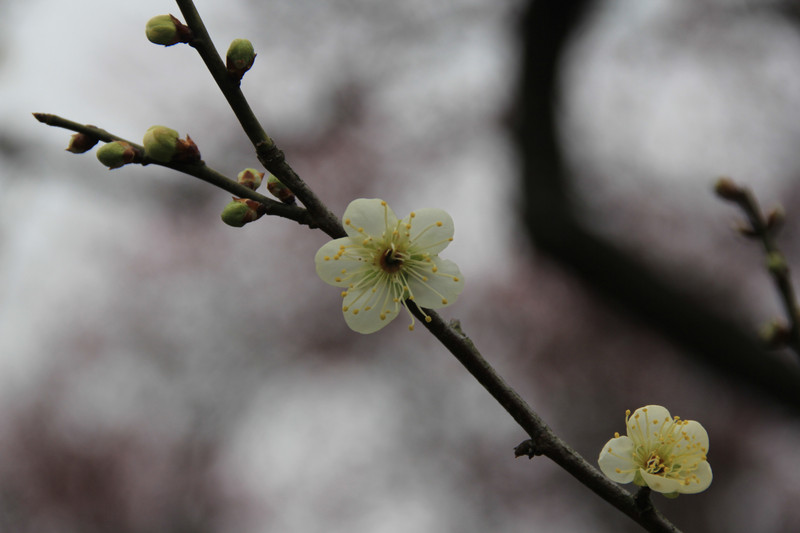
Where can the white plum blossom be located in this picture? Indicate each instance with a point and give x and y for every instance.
(384, 263)
(661, 452)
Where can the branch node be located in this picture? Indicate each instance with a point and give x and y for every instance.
(527, 448)
(643, 502)
(269, 154)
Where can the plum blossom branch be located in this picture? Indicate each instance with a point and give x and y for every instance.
(543, 440)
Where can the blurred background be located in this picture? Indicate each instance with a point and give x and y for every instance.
(162, 372)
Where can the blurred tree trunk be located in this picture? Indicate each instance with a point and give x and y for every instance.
(622, 280)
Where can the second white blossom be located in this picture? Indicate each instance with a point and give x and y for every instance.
(661, 452)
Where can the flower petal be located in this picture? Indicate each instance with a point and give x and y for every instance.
(663, 484)
(695, 433)
(700, 481)
(334, 268)
(616, 460)
(431, 230)
(435, 289)
(369, 215)
(646, 423)
(370, 307)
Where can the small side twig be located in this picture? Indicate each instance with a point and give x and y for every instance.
(765, 229)
(198, 170)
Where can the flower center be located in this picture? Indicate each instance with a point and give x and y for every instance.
(655, 465)
(390, 260)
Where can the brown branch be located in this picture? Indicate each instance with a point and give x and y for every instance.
(543, 440)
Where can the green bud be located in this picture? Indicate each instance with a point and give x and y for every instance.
(81, 143)
(250, 178)
(240, 211)
(239, 58)
(774, 334)
(279, 190)
(115, 154)
(776, 263)
(167, 30)
(160, 143)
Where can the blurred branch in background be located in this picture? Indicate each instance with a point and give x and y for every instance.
(708, 337)
(765, 228)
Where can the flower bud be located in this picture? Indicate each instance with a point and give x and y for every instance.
(279, 190)
(167, 30)
(240, 211)
(115, 154)
(250, 178)
(239, 58)
(186, 151)
(777, 264)
(727, 189)
(160, 143)
(775, 218)
(81, 142)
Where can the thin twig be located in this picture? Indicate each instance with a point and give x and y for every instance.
(765, 230)
(198, 170)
